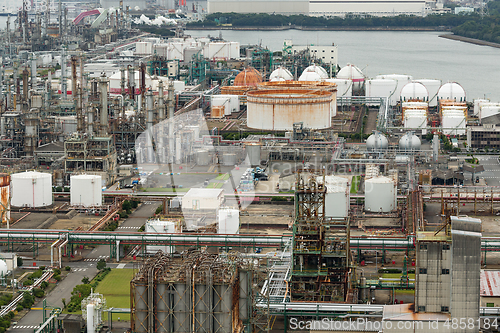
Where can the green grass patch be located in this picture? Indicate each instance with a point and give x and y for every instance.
(355, 184)
(220, 176)
(115, 287)
(396, 276)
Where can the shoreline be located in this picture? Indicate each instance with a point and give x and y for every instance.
(470, 40)
(293, 27)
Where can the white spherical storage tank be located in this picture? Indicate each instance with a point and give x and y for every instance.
(380, 195)
(382, 88)
(452, 91)
(31, 189)
(376, 141)
(337, 196)
(409, 142)
(354, 74)
(279, 109)
(414, 91)
(281, 74)
(432, 87)
(323, 74)
(85, 190)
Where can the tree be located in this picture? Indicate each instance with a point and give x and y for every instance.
(19, 261)
(101, 264)
(85, 280)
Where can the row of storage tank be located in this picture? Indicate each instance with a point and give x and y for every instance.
(380, 195)
(396, 87)
(34, 189)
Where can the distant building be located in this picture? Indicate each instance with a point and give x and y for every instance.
(284, 7)
(131, 3)
(327, 53)
(464, 10)
(480, 137)
(370, 7)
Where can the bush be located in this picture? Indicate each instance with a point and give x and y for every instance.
(85, 280)
(67, 268)
(42, 268)
(57, 271)
(101, 264)
(57, 277)
(28, 300)
(19, 261)
(19, 307)
(37, 292)
(44, 285)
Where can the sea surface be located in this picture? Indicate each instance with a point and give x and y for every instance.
(424, 55)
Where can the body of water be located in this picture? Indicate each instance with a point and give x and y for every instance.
(423, 55)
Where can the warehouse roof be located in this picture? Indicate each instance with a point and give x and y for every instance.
(203, 193)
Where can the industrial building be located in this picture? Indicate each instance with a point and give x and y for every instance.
(285, 7)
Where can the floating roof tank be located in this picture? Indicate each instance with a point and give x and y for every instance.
(376, 141)
(409, 142)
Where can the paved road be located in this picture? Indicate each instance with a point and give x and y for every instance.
(62, 290)
(134, 222)
(491, 173)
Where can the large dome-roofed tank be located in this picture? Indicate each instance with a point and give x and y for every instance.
(452, 91)
(409, 142)
(402, 80)
(248, 77)
(432, 87)
(376, 141)
(414, 91)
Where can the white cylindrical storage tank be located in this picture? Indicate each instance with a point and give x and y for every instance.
(416, 119)
(5, 197)
(452, 91)
(31, 189)
(279, 109)
(477, 105)
(85, 190)
(380, 195)
(382, 88)
(229, 159)
(432, 88)
(376, 141)
(453, 122)
(344, 86)
(228, 221)
(409, 142)
(222, 100)
(354, 74)
(414, 91)
(202, 157)
(91, 318)
(281, 74)
(489, 109)
(402, 80)
(337, 196)
(3, 268)
(158, 226)
(253, 153)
